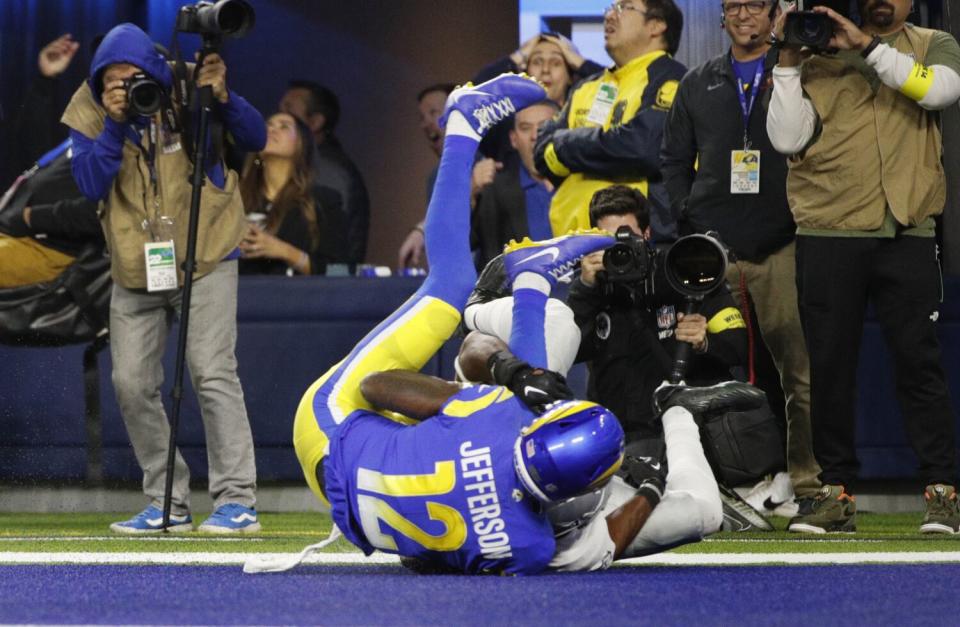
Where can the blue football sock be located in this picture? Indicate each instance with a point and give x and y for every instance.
(527, 339)
(447, 227)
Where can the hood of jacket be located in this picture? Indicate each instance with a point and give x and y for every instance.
(127, 43)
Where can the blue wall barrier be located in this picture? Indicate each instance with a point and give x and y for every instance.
(289, 333)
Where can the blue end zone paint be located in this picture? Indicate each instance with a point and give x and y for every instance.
(790, 595)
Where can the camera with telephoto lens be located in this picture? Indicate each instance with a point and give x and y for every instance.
(224, 18)
(144, 95)
(693, 266)
(811, 29)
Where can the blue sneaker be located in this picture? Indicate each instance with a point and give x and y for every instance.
(231, 518)
(150, 520)
(493, 101)
(554, 259)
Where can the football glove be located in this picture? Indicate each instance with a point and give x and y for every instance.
(536, 387)
(646, 475)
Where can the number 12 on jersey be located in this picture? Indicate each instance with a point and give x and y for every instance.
(375, 510)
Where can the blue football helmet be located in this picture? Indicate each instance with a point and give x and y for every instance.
(574, 447)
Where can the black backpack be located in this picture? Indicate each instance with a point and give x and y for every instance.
(73, 308)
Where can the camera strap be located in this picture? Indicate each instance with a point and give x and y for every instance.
(150, 151)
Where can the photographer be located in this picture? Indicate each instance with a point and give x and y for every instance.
(138, 168)
(864, 184)
(630, 332)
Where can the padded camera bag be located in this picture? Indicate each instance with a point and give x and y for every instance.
(74, 308)
(744, 446)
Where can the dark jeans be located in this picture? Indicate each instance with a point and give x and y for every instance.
(901, 277)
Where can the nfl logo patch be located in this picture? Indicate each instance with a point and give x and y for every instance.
(666, 317)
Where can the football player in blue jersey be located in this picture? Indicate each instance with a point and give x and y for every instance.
(469, 478)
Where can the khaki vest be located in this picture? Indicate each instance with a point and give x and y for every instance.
(876, 150)
(131, 200)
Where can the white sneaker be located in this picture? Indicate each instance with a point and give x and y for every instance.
(773, 496)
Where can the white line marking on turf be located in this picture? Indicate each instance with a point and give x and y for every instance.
(663, 559)
(799, 540)
(126, 538)
(185, 558)
(733, 559)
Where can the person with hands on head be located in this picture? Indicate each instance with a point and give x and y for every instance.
(553, 60)
(865, 182)
(548, 57)
(137, 168)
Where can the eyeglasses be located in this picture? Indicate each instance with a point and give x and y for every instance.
(620, 7)
(754, 7)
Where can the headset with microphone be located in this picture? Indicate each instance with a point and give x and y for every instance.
(773, 10)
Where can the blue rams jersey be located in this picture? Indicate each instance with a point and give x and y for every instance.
(444, 490)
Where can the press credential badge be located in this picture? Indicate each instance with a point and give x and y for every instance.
(745, 172)
(603, 104)
(161, 266)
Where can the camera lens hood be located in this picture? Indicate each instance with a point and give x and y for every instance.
(695, 265)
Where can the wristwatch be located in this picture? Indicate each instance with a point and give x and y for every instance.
(876, 41)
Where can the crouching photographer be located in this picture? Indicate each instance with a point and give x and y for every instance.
(637, 306)
(130, 154)
(631, 319)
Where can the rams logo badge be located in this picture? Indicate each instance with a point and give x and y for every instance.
(666, 94)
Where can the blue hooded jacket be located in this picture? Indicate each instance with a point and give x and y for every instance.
(96, 161)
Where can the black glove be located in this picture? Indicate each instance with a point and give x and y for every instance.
(646, 475)
(536, 387)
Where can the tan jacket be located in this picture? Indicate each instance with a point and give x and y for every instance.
(132, 200)
(875, 150)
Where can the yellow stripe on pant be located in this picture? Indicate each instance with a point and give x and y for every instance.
(404, 341)
(26, 261)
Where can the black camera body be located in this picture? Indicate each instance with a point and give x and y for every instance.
(144, 94)
(810, 29)
(631, 261)
(224, 18)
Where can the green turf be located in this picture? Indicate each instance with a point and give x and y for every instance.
(290, 532)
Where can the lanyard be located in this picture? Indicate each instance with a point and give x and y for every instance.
(747, 106)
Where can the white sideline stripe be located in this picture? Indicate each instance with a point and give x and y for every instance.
(662, 559)
(796, 540)
(186, 558)
(734, 559)
(125, 538)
